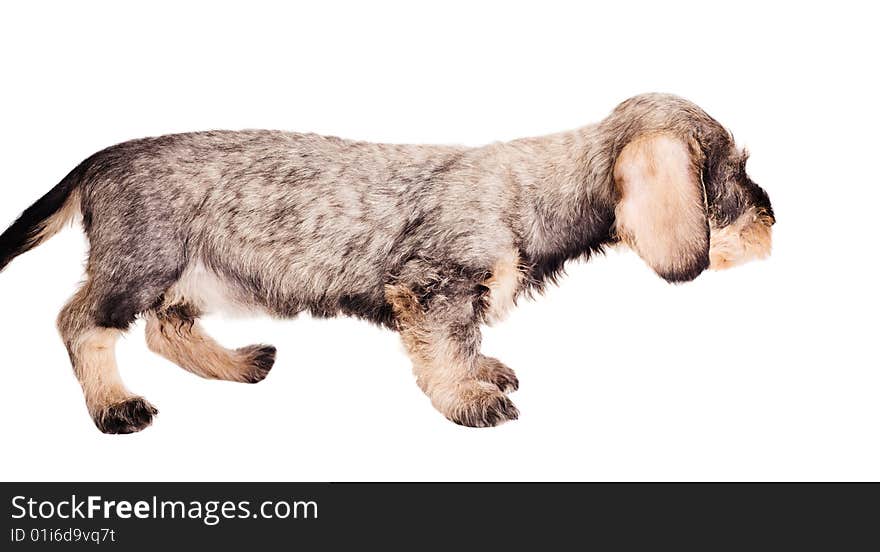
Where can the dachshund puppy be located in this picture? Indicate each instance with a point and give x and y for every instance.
(430, 241)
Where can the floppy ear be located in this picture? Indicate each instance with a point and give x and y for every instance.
(662, 209)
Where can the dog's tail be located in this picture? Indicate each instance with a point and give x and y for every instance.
(43, 219)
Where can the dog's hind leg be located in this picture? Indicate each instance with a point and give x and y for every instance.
(90, 325)
(175, 333)
(443, 341)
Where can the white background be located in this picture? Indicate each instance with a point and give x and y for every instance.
(766, 372)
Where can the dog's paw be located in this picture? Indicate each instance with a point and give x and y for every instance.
(481, 404)
(128, 416)
(259, 359)
(494, 371)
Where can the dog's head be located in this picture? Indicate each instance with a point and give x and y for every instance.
(688, 205)
(739, 211)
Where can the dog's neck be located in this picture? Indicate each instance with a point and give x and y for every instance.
(565, 197)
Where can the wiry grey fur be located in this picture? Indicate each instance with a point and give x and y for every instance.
(406, 236)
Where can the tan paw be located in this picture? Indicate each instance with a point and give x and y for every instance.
(128, 416)
(494, 371)
(480, 404)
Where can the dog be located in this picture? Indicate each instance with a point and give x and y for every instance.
(429, 241)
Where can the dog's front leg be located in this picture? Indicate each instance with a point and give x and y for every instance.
(443, 341)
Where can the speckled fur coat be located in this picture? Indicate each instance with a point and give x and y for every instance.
(430, 241)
